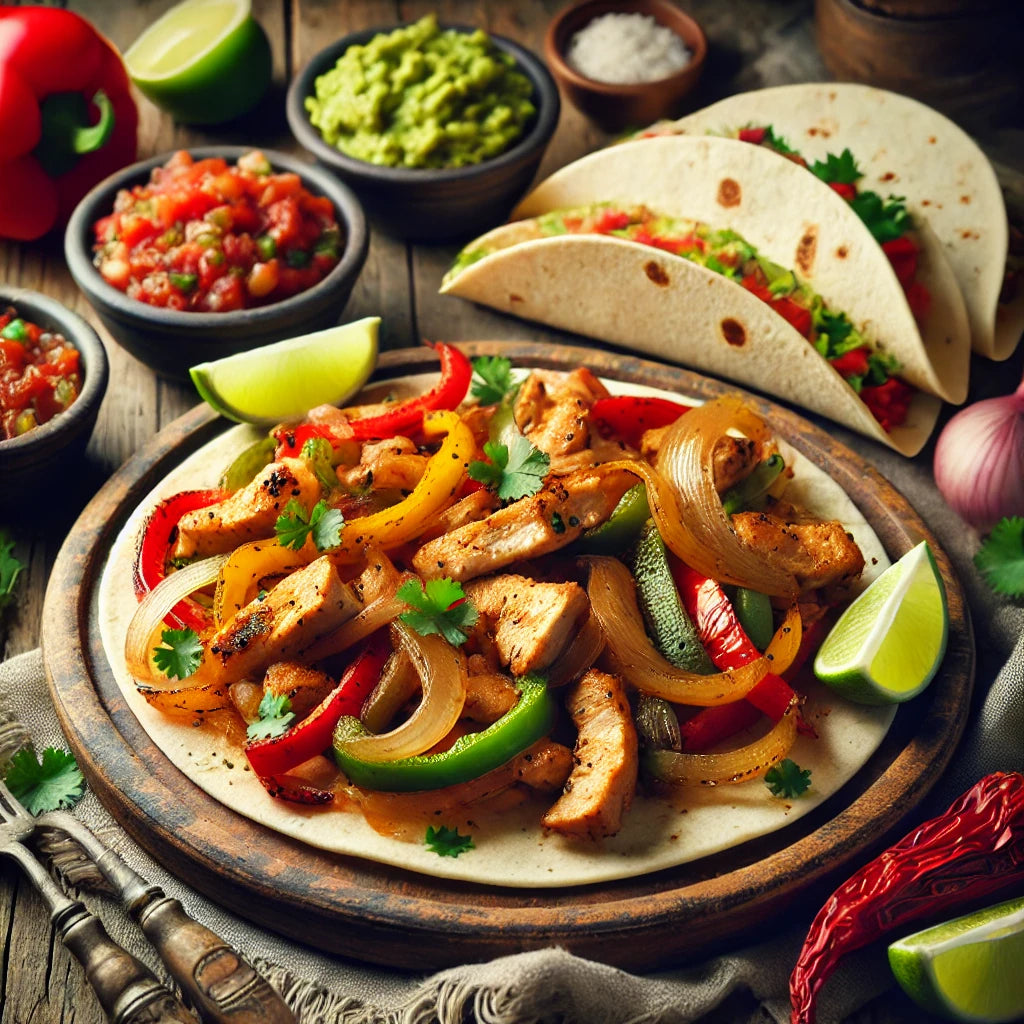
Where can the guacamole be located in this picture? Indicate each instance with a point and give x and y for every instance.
(423, 96)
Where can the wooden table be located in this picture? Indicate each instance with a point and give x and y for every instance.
(752, 43)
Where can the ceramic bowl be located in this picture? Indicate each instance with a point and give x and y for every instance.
(426, 204)
(616, 107)
(32, 464)
(169, 340)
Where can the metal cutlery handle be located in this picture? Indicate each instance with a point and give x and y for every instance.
(126, 989)
(222, 986)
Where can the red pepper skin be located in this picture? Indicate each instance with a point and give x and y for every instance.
(282, 789)
(714, 724)
(792, 312)
(628, 416)
(853, 363)
(290, 440)
(158, 535)
(46, 52)
(724, 638)
(889, 402)
(312, 736)
(942, 867)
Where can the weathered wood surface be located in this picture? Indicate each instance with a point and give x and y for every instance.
(753, 43)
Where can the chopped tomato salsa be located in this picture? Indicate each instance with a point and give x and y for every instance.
(39, 374)
(208, 237)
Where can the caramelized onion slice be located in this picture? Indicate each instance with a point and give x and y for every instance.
(583, 650)
(147, 623)
(740, 765)
(442, 672)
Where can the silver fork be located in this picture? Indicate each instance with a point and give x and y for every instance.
(222, 986)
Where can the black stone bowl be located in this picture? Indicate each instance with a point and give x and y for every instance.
(170, 340)
(33, 465)
(427, 204)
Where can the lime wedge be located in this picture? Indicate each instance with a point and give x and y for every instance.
(888, 644)
(204, 61)
(968, 969)
(281, 382)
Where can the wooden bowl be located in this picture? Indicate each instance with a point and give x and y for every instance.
(613, 106)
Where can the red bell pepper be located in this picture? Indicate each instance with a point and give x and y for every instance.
(853, 363)
(278, 754)
(158, 535)
(792, 312)
(729, 647)
(67, 112)
(405, 418)
(628, 416)
(889, 402)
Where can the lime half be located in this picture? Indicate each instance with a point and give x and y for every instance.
(281, 382)
(968, 969)
(888, 644)
(204, 61)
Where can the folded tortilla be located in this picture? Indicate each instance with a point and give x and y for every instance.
(510, 848)
(905, 148)
(794, 219)
(653, 301)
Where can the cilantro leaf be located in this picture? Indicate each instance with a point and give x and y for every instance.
(51, 785)
(788, 779)
(276, 716)
(1000, 560)
(842, 169)
(446, 842)
(515, 471)
(324, 523)
(493, 379)
(777, 142)
(10, 569)
(887, 219)
(439, 607)
(317, 451)
(182, 654)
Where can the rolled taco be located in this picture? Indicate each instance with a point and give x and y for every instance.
(202, 731)
(909, 150)
(794, 220)
(684, 291)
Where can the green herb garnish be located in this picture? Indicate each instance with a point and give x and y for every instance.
(1000, 559)
(493, 379)
(446, 842)
(323, 524)
(276, 716)
(788, 779)
(53, 784)
(515, 471)
(181, 654)
(10, 569)
(838, 170)
(438, 607)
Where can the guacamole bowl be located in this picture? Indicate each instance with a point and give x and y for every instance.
(433, 203)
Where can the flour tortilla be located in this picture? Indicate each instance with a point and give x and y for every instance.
(510, 850)
(793, 219)
(905, 148)
(652, 301)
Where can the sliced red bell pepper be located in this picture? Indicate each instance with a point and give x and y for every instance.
(158, 536)
(290, 440)
(294, 792)
(628, 416)
(67, 112)
(754, 135)
(278, 754)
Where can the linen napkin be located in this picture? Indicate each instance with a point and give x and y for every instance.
(748, 986)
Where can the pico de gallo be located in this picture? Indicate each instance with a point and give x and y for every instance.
(871, 373)
(206, 236)
(39, 374)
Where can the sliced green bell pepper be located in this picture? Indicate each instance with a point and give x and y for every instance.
(619, 532)
(751, 489)
(469, 757)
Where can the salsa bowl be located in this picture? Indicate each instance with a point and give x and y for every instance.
(33, 462)
(433, 204)
(172, 340)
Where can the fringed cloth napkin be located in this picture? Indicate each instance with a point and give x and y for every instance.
(745, 987)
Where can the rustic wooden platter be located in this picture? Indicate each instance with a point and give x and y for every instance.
(386, 915)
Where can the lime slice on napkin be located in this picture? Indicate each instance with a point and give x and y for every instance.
(281, 382)
(968, 969)
(888, 644)
(204, 61)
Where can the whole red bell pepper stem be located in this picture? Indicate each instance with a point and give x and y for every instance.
(312, 736)
(67, 112)
(629, 416)
(158, 535)
(949, 862)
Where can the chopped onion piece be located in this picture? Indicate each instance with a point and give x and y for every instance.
(442, 672)
(148, 621)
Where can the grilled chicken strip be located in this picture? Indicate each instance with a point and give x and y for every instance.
(550, 519)
(531, 622)
(305, 606)
(395, 463)
(249, 514)
(603, 780)
(305, 687)
(819, 554)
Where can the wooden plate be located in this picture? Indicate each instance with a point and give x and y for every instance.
(386, 915)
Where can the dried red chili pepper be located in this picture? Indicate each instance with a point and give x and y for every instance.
(972, 850)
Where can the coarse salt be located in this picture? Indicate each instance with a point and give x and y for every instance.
(624, 49)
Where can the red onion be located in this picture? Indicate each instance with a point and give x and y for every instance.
(979, 460)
